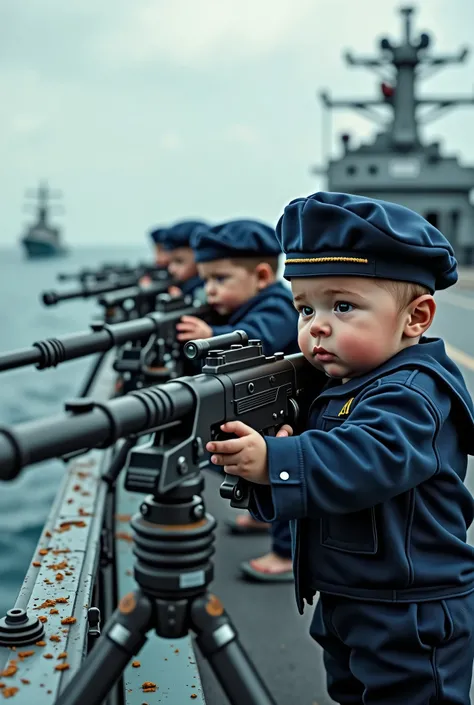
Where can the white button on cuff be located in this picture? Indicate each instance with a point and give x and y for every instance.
(284, 475)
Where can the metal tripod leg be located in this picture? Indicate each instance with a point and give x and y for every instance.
(122, 638)
(218, 642)
(125, 635)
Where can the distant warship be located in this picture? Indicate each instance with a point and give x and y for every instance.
(42, 239)
(397, 166)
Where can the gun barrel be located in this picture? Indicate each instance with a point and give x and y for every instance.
(107, 271)
(87, 424)
(50, 298)
(19, 358)
(51, 352)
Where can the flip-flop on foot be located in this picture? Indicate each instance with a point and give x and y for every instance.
(250, 572)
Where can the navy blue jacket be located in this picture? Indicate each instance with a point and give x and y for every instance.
(191, 286)
(269, 316)
(375, 489)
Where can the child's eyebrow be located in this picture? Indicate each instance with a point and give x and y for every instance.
(303, 295)
(341, 291)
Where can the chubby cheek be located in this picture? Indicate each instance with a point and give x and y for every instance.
(305, 342)
(359, 352)
(230, 298)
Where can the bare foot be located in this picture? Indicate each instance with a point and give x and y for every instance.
(245, 520)
(272, 563)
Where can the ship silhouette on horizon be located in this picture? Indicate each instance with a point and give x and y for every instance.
(41, 238)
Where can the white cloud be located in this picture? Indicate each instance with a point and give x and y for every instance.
(202, 31)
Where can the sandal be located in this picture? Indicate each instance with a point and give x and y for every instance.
(259, 576)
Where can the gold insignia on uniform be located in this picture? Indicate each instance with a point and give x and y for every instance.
(346, 408)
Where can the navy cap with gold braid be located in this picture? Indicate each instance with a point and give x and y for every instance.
(339, 234)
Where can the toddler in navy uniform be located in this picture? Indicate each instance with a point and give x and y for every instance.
(374, 488)
(182, 265)
(238, 261)
(162, 258)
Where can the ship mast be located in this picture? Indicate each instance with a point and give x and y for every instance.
(43, 195)
(407, 61)
(43, 202)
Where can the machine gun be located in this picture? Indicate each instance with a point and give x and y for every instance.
(101, 274)
(134, 301)
(53, 351)
(108, 271)
(172, 533)
(161, 358)
(147, 349)
(85, 291)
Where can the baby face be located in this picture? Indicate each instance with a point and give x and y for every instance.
(348, 325)
(181, 264)
(228, 285)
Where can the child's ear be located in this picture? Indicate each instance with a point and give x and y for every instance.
(264, 274)
(420, 316)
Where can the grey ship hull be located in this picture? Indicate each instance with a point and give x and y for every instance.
(36, 249)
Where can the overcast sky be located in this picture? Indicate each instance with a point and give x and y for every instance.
(147, 111)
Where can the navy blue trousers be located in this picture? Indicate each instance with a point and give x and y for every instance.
(281, 538)
(392, 653)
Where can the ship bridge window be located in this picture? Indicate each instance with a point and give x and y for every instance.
(351, 170)
(433, 218)
(373, 169)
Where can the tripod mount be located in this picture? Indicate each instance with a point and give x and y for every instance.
(173, 541)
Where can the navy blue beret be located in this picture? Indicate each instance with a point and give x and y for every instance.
(340, 234)
(157, 235)
(236, 238)
(179, 234)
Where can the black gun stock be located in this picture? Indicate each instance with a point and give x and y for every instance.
(236, 384)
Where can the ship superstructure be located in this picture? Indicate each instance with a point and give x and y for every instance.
(398, 165)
